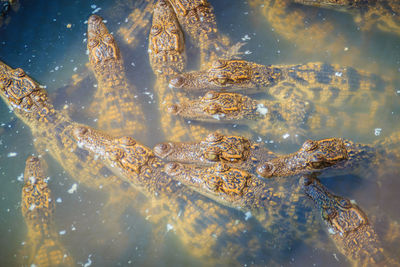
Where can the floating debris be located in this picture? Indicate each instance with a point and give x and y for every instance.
(378, 131)
(12, 154)
(73, 188)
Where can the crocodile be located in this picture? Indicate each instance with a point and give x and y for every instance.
(342, 154)
(382, 14)
(348, 226)
(278, 204)
(198, 20)
(51, 134)
(119, 112)
(167, 57)
(37, 206)
(316, 81)
(293, 118)
(139, 166)
(240, 152)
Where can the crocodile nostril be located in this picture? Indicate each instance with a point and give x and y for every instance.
(176, 82)
(94, 19)
(162, 149)
(266, 170)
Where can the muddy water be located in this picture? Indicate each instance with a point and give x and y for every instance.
(48, 40)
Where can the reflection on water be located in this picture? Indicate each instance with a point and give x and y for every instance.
(48, 40)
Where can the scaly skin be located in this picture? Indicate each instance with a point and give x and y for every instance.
(384, 14)
(51, 132)
(167, 57)
(311, 97)
(38, 207)
(236, 151)
(348, 226)
(114, 99)
(198, 20)
(277, 205)
(199, 219)
(273, 118)
(335, 153)
(315, 81)
(313, 155)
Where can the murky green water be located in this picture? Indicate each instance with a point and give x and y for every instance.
(48, 40)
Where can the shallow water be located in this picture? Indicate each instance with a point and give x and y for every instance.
(48, 40)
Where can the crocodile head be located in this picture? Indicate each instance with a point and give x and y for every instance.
(347, 224)
(36, 196)
(313, 155)
(215, 147)
(230, 74)
(215, 106)
(122, 155)
(23, 94)
(166, 42)
(213, 181)
(101, 44)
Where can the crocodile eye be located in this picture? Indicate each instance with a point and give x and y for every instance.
(155, 29)
(108, 38)
(212, 154)
(219, 64)
(93, 43)
(127, 141)
(18, 73)
(266, 170)
(214, 137)
(222, 80)
(80, 131)
(210, 95)
(309, 145)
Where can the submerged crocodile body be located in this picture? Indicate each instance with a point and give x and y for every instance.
(37, 205)
(119, 112)
(348, 226)
(51, 132)
(383, 14)
(315, 81)
(198, 20)
(305, 28)
(140, 167)
(234, 150)
(239, 152)
(167, 57)
(293, 117)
